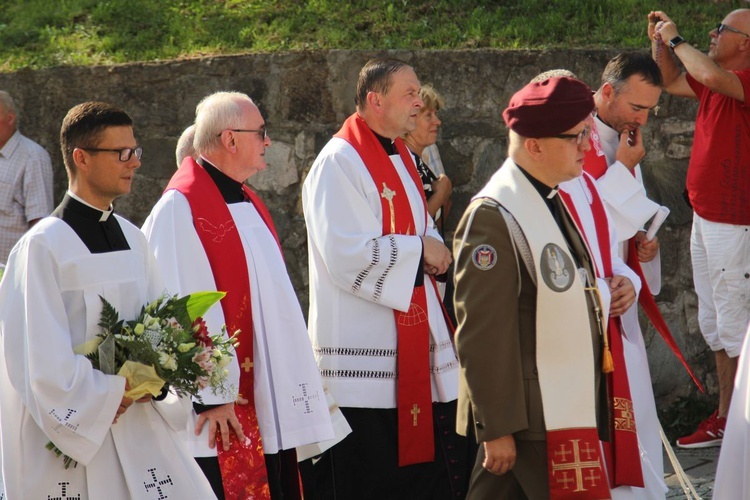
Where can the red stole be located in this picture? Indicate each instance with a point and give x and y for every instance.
(623, 457)
(596, 166)
(243, 468)
(413, 390)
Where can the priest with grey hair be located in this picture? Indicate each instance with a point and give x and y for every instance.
(210, 231)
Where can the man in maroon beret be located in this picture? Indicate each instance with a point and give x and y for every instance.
(530, 337)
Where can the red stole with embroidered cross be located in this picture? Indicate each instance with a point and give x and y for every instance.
(413, 390)
(595, 163)
(622, 455)
(243, 468)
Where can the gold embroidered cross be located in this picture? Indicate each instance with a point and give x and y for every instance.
(563, 453)
(565, 480)
(247, 364)
(388, 194)
(415, 411)
(577, 466)
(624, 414)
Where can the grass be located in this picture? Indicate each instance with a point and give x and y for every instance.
(45, 33)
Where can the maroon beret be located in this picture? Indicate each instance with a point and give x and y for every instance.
(549, 108)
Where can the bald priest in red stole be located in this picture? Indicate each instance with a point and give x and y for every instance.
(530, 328)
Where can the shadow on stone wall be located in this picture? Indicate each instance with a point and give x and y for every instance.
(306, 96)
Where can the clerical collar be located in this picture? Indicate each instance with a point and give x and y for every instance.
(390, 148)
(544, 190)
(103, 215)
(230, 189)
(100, 235)
(606, 132)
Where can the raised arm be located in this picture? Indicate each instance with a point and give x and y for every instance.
(700, 66)
(674, 78)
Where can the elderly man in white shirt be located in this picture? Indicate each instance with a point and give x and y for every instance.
(25, 179)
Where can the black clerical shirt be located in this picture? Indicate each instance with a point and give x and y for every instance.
(549, 194)
(98, 230)
(230, 189)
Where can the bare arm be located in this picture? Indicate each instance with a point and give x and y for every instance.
(699, 65)
(675, 82)
(441, 193)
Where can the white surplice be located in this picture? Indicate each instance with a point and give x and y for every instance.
(358, 277)
(625, 199)
(732, 480)
(582, 198)
(284, 366)
(49, 304)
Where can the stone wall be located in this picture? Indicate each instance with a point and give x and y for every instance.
(306, 96)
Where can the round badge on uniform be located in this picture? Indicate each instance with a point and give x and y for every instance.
(484, 257)
(556, 268)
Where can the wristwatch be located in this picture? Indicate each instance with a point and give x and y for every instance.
(674, 42)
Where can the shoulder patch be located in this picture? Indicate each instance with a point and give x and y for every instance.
(484, 257)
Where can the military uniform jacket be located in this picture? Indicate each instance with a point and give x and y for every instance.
(497, 347)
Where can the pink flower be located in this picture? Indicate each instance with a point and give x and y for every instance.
(202, 382)
(203, 359)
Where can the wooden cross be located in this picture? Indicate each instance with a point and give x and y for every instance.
(247, 365)
(415, 411)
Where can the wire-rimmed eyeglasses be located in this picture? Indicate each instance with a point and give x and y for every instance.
(262, 131)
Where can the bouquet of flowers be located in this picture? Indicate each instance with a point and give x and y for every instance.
(166, 346)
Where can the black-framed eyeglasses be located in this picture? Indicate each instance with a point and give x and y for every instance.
(262, 131)
(579, 137)
(721, 27)
(125, 153)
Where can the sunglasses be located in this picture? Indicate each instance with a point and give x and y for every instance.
(721, 28)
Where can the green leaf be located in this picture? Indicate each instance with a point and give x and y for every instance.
(199, 303)
(109, 318)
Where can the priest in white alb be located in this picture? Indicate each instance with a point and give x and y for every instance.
(630, 90)
(380, 334)
(210, 231)
(50, 304)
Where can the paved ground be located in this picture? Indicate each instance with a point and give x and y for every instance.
(699, 465)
